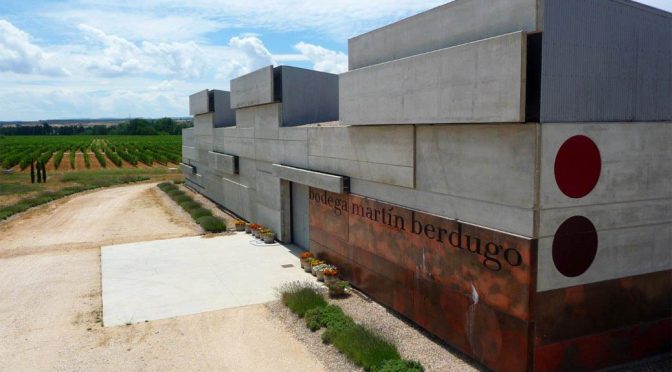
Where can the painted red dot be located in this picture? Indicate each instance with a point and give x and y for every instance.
(577, 166)
(574, 246)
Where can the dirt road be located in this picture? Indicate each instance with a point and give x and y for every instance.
(50, 300)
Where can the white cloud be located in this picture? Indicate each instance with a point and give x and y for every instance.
(19, 55)
(246, 53)
(324, 59)
(119, 56)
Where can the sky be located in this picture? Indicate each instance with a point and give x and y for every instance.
(142, 58)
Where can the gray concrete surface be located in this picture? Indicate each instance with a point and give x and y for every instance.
(458, 22)
(308, 96)
(306, 177)
(255, 88)
(224, 115)
(167, 278)
(443, 86)
(223, 163)
(198, 103)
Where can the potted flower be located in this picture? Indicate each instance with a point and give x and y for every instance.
(304, 257)
(248, 228)
(267, 235)
(255, 229)
(330, 275)
(314, 263)
(240, 225)
(319, 270)
(338, 288)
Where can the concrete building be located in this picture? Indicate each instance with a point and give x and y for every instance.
(497, 172)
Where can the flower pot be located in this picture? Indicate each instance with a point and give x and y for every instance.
(255, 233)
(269, 238)
(312, 271)
(330, 279)
(320, 276)
(306, 266)
(240, 227)
(248, 230)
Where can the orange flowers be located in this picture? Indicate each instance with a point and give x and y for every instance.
(306, 255)
(330, 272)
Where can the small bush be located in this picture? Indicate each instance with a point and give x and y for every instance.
(362, 346)
(301, 297)
(166, 186)
(190, 205)
(328, 316)
(174, 192)
(399, 365)
(211, 223)
(182, 198)
(199, 212)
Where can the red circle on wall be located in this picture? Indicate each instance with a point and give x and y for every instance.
(577, 166)
(574, 246)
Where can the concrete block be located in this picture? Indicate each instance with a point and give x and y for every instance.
(223, 162)
(293, 133)
(189, 154)
(310, 178)
(505, 218)
(188, 137)
(199, 103)
(383, 173)
(621, 253)
(392, 145)
(203, 124)
(255, 88)
(458, 22)
(636, 162)
(232, 132)
(268, 190)
(307, 96)
(186, 169)
(270, 218)
(293, 153)
(247, 170)
(491, 163)
(224, 116)
(242, 147)
(443, 86)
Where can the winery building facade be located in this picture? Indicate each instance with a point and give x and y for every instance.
(497, 172)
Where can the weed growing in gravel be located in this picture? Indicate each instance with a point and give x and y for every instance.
(301, 297)
(399, 365)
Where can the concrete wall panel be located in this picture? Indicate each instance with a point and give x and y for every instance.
(621, 253)
(509, 219)
(308, 96)
(636, 162)
(443, 86)
(492, 163)
(188, 137)
(224, 115)
(306, 177)
(383, 173)
(255, 88)
(199, 103)
(189, 154)
(223, 163)
(458, 22)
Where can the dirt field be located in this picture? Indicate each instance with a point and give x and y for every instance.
(50, 300)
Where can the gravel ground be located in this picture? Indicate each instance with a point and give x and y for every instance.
(411, 342)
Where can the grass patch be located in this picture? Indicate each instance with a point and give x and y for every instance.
(363, 346)
(182, 198)
(301, 297)
(190, 205)
(212, 223)
(200, 212)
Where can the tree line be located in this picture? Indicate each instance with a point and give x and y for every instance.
(132, 127)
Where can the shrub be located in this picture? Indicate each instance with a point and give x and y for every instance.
(166, 186)
(174, 193)
(328, 316)
(211, 223)
(399, 365)
(181, 198)
(199, 212)
(301, 297)
(190, 205)
(362, 346)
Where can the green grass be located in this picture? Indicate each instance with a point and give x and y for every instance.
(363, 346)
(190, 205)
(199, 212)
(399, 365)
(182, 198)
(212, 224)
(301, 297)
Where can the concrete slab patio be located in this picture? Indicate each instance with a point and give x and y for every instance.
(167, 278)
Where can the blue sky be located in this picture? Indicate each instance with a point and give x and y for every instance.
(142, 58)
